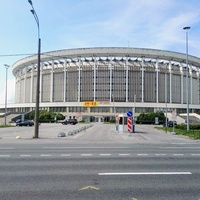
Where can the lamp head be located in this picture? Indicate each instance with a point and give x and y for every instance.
(30, 2)
(33, 12)
(7, 66)
(186, 28)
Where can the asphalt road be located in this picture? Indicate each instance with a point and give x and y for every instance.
(99, 164)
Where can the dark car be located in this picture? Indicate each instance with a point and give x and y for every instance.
(70, 121)
(170, 124)
(25, 123)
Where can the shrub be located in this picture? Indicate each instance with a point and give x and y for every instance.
(47, 116)
(149, 118)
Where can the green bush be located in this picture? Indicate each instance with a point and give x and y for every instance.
(192, 126)
(47, 116)
(149, 118)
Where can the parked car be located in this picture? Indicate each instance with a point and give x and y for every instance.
(70, 121)
(170, 124)
(25, 123)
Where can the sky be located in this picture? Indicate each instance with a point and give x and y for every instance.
(68, 24)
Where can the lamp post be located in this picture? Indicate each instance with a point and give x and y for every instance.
(36, 132)
(6, 66)
(187, 69)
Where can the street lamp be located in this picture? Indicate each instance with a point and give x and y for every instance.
(187, 69)
(36, 132)
(6, 66)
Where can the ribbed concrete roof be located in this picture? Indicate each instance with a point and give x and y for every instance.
(105, 52)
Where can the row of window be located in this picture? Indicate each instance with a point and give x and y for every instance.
(99, 110)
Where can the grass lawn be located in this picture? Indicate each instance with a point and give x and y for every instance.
(192, 133)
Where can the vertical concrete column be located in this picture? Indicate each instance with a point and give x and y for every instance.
(157, 77)
(51, 85)
(31, 88)
(191, 85)
(79, 79)
(25, 75)
(170, 82)
(94, 78)
(142, 69)
(64, 81)
(181, 72)
(110, 67)
(41, 82)
(127, 69)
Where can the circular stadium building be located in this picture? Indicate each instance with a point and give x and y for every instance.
(99, 83)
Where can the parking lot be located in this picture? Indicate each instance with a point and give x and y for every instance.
(91, 133)
(45, 131)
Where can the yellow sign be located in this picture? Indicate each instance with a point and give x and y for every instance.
(89, 187)
(90, 104)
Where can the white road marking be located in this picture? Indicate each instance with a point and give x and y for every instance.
(65, 155)
(122, 154)
(179, 147)
(4, 155)
(86, 147)
(25, 155)
(145, 173)
(183, 143)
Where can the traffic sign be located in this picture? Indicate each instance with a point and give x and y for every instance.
(129, 113)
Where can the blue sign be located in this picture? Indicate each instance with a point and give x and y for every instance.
(129, 113)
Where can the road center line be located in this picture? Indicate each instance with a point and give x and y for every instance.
(45, 155)
(105, 154)
(145, 173)
(25, 155)
(4, 155)
(179, 147)
(86, 154)
(86, 147)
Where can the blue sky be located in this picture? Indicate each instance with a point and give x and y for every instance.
(66, 24)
